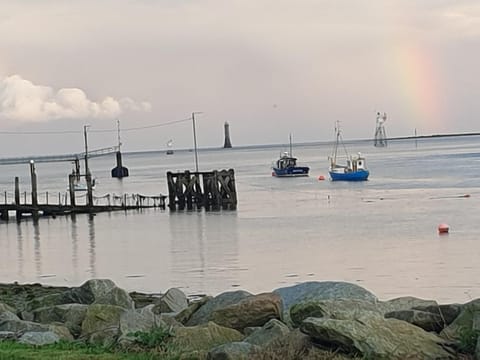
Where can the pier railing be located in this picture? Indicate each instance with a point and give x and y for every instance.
(63, 199)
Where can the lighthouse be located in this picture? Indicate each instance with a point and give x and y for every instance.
(228, 143)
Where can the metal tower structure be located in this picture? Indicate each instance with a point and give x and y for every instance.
(227, 144)
(380, 134)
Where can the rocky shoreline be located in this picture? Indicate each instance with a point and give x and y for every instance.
(328, 317)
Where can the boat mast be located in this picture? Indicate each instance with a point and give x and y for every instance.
(291, 154)
(337, 139)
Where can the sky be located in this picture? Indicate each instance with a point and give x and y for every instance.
(269, 68)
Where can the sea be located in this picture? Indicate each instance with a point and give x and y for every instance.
(381, 234)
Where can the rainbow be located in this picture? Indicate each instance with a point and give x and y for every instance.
(421, 88)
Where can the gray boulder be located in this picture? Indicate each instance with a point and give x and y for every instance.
(426, 320)
(204, 337)
(71, 315)
(378, 338)
(103, 291)
(102, 324)
(186, 314)
(173, 301)
(405, 303)
(39, 338)
(324, 290)
(342, 309)
(203, 315)
(271, 331)
(232, 351)
(252, 311)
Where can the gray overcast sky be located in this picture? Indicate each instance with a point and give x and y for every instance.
(268, 67)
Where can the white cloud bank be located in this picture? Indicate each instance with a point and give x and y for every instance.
(22, 100)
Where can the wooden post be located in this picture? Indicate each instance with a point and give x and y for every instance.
(46, 197)
(71, 189)
(33, 177)
(6, 197)
(18, 213)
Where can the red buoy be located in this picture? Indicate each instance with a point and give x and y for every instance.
(321, 177)
(443, 228)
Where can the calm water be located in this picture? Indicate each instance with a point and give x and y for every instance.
(380, 234)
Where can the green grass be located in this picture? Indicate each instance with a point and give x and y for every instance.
(74, 351)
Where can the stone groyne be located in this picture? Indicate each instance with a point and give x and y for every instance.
(293, 322)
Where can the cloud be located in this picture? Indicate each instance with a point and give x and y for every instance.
(22, 100)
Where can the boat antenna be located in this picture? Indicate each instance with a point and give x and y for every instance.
(291, 153)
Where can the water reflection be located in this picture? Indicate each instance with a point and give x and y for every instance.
(36, 246)
(20, 256)
(91, 242)
(204, 250)
(74, 235)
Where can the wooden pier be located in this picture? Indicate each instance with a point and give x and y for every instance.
(109, 202)
(28, 204)
(213, 190)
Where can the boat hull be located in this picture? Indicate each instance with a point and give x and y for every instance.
(360, 175)
(291, 171)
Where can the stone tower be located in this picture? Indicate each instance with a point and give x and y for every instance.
(228, 143)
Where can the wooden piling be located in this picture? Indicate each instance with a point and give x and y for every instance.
(33, 177)
(218, 192)
(18, 213)
(71, 189)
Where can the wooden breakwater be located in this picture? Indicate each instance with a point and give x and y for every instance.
(212, 190)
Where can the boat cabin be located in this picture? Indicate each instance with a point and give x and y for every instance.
(286, 161)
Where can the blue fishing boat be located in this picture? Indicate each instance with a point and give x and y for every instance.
(286, 165)
(355, 167)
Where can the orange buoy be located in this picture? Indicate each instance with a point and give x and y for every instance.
(321, 177)
(443, 228)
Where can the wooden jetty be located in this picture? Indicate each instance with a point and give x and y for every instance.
(67, 202)
(110, 202)
(213, 190)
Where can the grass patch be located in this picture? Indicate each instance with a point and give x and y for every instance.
(10, 350)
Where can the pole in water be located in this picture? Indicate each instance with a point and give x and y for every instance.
(195, 139)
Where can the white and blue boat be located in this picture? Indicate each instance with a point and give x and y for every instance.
(354, 169)
(286, 165)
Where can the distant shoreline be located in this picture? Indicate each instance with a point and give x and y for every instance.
(67, 157)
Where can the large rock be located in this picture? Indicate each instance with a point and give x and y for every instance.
(427, 314)
(463, 329)
(39, 338)
(71, 315)
(95, 291)
(204, 337)
(378, 338)
(232, 351)
(203, 315)
(103, 291)
(186, 314)
(174, 301)
(21, 326)
(342, 309)
(132, 321)
(270, 332)
(102, 324)
(324, 290)
(252, 311)
(7, 313)
(404, 303)
(426, 320)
